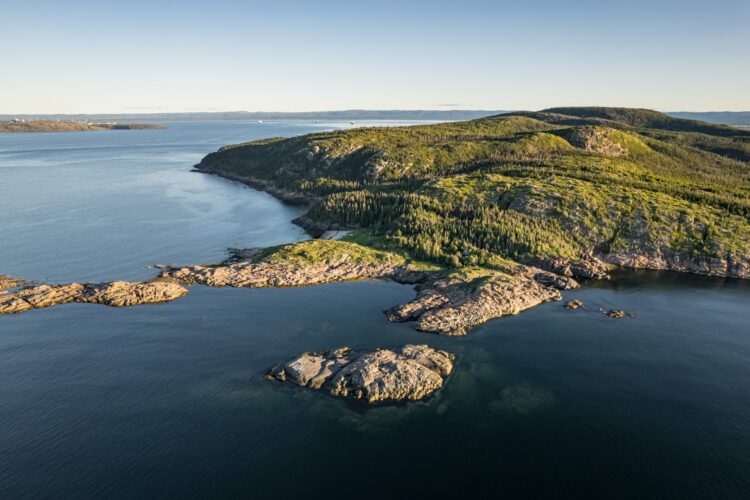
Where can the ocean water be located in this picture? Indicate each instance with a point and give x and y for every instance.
(169, 400)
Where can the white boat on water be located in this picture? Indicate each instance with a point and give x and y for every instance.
(260, 121)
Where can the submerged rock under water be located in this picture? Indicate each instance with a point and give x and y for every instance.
(521, 399)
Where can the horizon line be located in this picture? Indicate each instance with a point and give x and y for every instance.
(349, 110)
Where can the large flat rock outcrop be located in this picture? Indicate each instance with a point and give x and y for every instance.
(280, 274)
(115, 293)
(306, 263)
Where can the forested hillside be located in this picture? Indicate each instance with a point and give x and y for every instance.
(632, 187)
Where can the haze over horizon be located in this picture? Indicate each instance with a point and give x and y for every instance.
(87, 57)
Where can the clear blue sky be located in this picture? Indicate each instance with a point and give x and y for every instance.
(150, 56)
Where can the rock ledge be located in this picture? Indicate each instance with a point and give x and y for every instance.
(115, 294)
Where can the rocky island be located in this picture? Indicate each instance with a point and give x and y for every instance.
(410, 373)
(20, 126)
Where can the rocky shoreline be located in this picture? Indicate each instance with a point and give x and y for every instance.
(115, 294)
(263, 274)
(311, 227)
(293, 197)
(445, 305)
(680, 262)
(410, 373)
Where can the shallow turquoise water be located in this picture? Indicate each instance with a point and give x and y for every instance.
(169, 400)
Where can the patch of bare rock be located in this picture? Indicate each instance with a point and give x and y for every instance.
(454, 306)
(597, 140)
(115, 294)
(589, 267)
(407, 374)
(8, 282)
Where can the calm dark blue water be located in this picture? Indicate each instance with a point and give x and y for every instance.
(169, 401)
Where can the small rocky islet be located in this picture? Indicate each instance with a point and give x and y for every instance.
(410, 373)
(573, 304)
(617, 313)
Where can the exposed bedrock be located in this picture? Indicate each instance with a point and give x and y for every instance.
(453, 307)
(115, 293)
(410, 373)
(450, 306)
(278, 274)
(588, 267)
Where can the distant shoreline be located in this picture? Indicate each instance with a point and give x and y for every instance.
(33, 126)
(736, 118)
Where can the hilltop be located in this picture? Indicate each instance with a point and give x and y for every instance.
(20, 126)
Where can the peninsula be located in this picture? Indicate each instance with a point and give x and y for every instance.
(20, 126)
(563, 189)
(495, 215)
